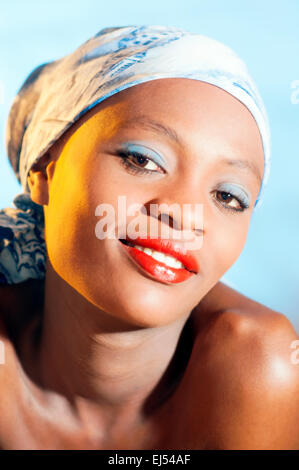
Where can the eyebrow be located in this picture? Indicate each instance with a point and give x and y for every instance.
(152, 125)
(156, 126)
(244, 165)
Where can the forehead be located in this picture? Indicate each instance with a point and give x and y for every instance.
(180, 102)
(188, 108)
(187, 95)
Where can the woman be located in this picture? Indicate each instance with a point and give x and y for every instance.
(162, 355)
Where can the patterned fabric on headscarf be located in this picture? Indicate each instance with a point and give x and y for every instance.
(22, 244)
(58, 93)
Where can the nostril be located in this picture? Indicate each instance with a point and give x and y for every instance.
(126, 242)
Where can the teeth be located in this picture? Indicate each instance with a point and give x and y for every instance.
(163, 258)
(158, 256)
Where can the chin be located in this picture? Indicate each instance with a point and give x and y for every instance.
(116, 286)
(140, 302)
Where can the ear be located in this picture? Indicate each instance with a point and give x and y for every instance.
(39, 183)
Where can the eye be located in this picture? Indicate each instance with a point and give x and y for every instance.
(136, 162)
(230, 201)
(142, 161)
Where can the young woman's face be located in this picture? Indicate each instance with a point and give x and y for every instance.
(218, 152)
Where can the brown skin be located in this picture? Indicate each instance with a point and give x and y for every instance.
(134, 363)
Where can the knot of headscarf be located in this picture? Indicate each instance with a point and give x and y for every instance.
(58, 93)
(22, 244)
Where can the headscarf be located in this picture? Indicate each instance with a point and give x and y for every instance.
(56, 94)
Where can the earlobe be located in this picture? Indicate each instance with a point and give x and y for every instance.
(38, 182)
(50, 170)
(39, 179)
(38, 186)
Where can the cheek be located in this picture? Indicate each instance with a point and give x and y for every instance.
(75, 252)
(224, 243)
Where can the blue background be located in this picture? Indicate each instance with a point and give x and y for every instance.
(264, 33)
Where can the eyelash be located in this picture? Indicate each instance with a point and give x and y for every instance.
(132, 168)
(243, 207)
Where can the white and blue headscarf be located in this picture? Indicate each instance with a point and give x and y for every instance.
(58, 93)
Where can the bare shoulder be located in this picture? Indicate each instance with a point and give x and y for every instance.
(247, 355)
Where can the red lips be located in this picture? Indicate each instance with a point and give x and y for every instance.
(158, 269)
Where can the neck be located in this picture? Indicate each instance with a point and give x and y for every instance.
(90, 356)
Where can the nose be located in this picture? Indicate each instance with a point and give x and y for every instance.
(184, 217)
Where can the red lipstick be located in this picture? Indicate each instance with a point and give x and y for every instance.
(158, 269)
